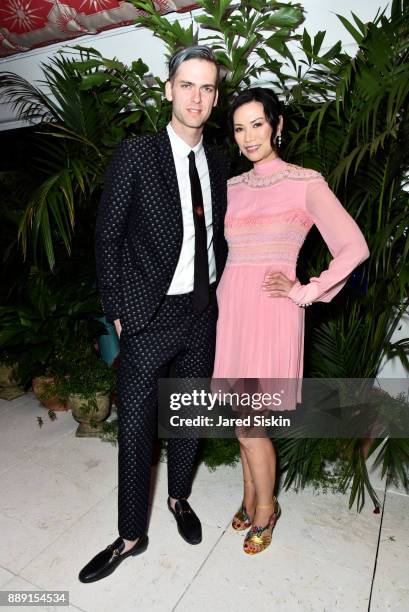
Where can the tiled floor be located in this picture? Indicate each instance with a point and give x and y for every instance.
(58, 508)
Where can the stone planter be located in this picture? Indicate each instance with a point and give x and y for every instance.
(40, 384)
(90, 421)
(9, 383)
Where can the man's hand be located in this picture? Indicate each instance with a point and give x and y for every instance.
(278, 285)
(118, 327)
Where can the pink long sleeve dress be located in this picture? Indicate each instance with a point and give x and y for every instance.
(270, 211)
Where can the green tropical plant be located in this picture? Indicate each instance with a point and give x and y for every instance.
(86, 387)
(354, 126)
(85, 376)
(86, 105)
(79, 109)
(44, 329)
(248, 37)
(15, 187)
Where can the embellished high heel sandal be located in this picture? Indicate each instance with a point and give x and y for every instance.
(260, 537)
(241, 520)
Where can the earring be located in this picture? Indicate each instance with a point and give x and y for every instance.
(279, 140)
(240, 152)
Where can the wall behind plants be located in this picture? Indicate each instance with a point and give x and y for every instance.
(129, 43)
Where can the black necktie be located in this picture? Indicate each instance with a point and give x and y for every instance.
(201, 275)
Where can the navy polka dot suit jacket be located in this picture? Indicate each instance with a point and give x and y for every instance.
(139, 227)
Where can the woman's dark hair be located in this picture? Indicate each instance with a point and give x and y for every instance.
(270, 102)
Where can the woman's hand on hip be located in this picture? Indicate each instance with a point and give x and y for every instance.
(277, 285)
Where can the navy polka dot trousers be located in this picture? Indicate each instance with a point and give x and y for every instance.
(179, 336)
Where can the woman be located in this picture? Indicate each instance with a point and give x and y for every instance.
(260, 332)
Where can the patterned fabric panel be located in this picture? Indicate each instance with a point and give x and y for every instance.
(267, 239)
(288, 171)
(26, 24)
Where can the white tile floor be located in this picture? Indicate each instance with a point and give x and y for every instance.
(58, 508)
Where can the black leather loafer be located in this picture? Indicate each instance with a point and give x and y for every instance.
(188, 523)
(106, 561)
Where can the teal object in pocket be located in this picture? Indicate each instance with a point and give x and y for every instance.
(108, 343)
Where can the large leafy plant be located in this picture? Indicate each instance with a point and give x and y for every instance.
(81, 112)
(45, 328)
(353, 126)
(86, 104)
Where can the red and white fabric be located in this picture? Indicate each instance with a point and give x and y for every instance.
(26, 24)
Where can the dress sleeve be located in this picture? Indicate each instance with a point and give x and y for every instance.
(343, 238)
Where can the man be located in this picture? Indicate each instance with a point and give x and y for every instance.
(160, 252)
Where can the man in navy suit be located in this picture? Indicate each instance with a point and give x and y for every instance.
(160, 252)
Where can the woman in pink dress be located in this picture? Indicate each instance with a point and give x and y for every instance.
(260, 330)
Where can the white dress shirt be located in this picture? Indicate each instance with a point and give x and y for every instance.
(183, 277)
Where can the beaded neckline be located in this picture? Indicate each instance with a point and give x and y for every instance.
(284, 171)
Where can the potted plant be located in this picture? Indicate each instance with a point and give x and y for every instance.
(15, 371)
(43, 330)
(43, 390)
(10, 378)
(87, 388)
(44, 385)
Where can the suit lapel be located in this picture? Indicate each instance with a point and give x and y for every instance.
(167, 166)
(214, 177)
(171, 207)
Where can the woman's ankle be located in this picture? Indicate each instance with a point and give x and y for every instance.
(249, 503)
